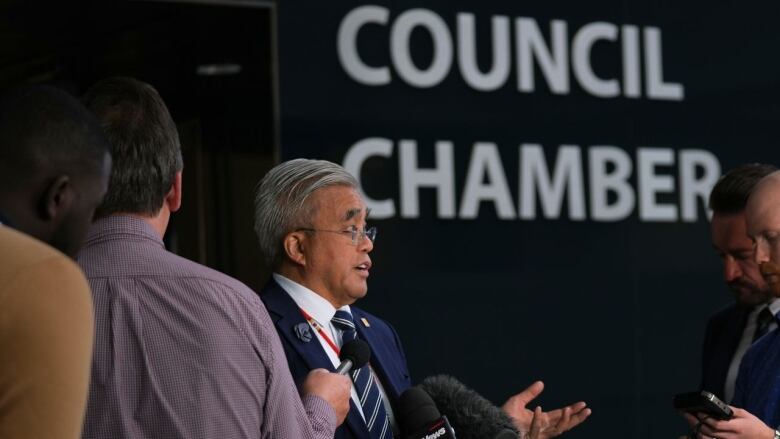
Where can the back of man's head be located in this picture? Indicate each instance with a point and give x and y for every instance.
(144, 144)
(730, 194)
(54, 165)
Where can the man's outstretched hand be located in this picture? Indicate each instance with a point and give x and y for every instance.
(545, 424)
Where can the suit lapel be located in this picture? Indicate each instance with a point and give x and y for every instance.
(286, 317)
(381, 360)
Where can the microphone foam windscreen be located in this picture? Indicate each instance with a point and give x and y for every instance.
(416, 410)
(356, 351)
(471, 415)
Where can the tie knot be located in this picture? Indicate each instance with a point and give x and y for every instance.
(763, 320)
(343, 320)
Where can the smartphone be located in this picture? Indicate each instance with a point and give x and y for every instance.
(702, 402)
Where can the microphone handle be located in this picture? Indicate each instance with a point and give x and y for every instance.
(344, 367)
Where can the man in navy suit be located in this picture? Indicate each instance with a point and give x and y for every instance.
(311, 223)
(756, 404)
(732, 330)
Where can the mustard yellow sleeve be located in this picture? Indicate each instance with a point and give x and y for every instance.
(46, 336)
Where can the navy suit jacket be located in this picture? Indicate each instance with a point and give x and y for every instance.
(721, 340)
(387, 355)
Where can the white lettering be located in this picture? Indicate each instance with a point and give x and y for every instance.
(553, 63)
(692, 187)
(631, 80)
(611, 197)
(400, 36)
(651, 184)
(581, 65)
(353, 163)
(347, 45)
(442, 178)
(567, 176)
(603, 182)
(467, 53)
(655, 86)
(532, 50)
(485, 161)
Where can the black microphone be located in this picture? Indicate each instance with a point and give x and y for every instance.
(353, 355)
(419, 417)
(472, 416)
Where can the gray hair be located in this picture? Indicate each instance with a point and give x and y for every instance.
(281, 200)
(144, 143)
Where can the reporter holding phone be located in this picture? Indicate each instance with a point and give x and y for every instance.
(742, 425)
(732, 330)
(758, 383)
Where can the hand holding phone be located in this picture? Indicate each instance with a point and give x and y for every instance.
(702, 402)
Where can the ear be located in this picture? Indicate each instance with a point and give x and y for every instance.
(173, 197)
(56, 198)
(294, 246)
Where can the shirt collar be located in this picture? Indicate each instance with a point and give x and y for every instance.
(774, 307)
(315, 305)
(120, 226)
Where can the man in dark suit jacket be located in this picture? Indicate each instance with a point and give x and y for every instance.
(388, 361)
(756, 413)
(721, 339)
(731, 331)
(311, 223)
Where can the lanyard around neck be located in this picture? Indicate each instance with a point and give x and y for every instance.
(320, 331)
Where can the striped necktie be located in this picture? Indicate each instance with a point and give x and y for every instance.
(365, 384)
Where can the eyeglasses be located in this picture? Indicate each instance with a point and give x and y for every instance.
(356, 234)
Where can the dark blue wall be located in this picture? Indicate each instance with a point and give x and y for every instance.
(611, 312)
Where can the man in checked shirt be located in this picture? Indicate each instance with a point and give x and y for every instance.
(181, 351)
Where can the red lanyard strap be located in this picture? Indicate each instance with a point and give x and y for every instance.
(322, 333)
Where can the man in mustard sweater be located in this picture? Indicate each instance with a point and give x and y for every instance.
(54, 168)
